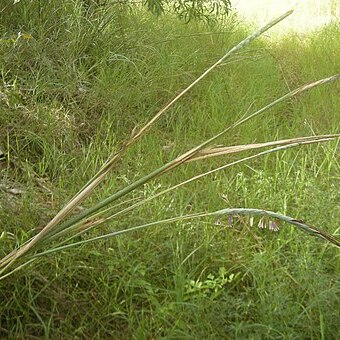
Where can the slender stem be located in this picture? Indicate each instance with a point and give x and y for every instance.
(148, 199)
(98, 178)
(232, 211)
(186, 156)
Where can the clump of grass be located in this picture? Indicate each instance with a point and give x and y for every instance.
(138, 285)
(52, 230)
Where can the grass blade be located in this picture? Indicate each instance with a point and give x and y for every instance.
(299, 224)
(98, 178)
(98, 219)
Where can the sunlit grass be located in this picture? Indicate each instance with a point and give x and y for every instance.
(139, 284)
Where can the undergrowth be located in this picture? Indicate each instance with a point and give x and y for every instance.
(73, 86)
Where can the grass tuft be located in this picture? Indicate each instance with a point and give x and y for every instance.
(75, 81)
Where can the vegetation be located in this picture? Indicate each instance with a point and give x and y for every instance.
(75, 83)
(207, 10)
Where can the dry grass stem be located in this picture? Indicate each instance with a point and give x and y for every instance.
(98, 178)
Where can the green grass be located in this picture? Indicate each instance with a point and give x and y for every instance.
(73, 92)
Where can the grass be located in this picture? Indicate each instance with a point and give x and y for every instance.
(70, 96)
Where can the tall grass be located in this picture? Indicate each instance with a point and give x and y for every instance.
(142, 283)
(49, 229)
